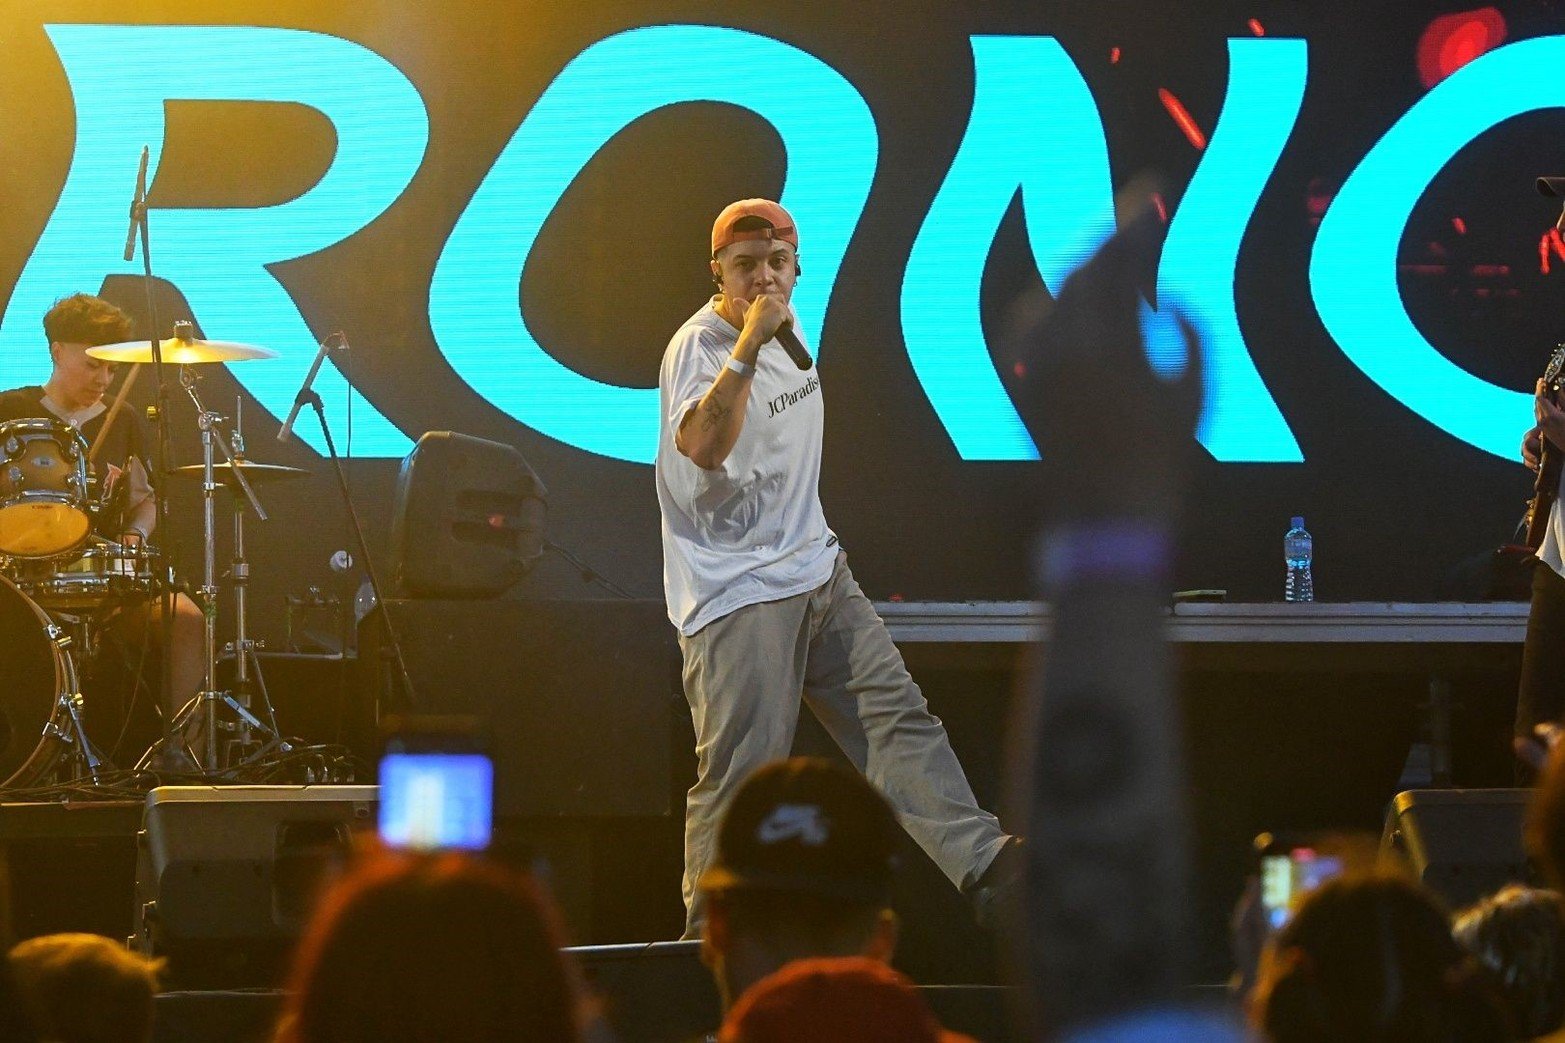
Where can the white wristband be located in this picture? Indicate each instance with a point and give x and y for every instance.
(741, 368)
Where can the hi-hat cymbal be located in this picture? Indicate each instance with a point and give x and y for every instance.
(253, 471)
(178, 351)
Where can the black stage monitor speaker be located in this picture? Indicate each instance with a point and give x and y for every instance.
(468, 520)
(1463, 844)
(225, 876)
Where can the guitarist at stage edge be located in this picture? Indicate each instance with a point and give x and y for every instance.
(1540, 697)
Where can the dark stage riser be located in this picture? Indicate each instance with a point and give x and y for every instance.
(577, 696)
(1279, 736)
(656, 993)
(1273, 747)
(70, 868)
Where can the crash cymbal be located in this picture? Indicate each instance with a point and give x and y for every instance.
(253, 471)
(178, 351)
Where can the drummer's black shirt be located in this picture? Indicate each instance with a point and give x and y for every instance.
(126, 439)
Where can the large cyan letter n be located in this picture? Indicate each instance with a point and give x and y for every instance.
(1035, 128)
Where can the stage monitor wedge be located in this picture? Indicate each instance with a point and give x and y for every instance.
(226, 876)
(1462, 844)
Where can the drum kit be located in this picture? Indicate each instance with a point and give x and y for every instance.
(61, 583)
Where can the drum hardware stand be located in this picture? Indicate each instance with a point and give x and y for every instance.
(243, 646)
(83, 757)
(205, 703)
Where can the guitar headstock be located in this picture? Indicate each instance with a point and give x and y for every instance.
(1554, 372)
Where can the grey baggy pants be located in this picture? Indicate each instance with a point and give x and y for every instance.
(744, 676)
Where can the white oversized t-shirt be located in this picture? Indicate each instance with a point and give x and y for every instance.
(751, 530)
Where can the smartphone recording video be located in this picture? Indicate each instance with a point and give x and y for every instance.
(436, 786)
(1288, 872)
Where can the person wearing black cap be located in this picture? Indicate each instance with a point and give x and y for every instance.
(767, 610)
(806, 854)
(1540, 697)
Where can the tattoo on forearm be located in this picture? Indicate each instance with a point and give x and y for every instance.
(716, 413)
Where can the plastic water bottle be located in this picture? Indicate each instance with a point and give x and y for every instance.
(1297, 549)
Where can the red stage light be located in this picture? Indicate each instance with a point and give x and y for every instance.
(1460, 225)
(1317, 198)
(1256, 27)
(1453, 40)
(1551, 245)
(1182, 117)
(1114, 56)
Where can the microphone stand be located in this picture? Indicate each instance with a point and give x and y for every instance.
(309, 396)
(165, 572)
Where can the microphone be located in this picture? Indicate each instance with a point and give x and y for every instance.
(790, 343)
(138, 204)
(303, 396)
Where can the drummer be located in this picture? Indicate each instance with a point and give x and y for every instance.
(74, 393)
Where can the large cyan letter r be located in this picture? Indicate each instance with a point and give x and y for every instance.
(217, 257)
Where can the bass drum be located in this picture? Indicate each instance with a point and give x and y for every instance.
(36, 671)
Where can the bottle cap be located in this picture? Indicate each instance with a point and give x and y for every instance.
(1298, 521)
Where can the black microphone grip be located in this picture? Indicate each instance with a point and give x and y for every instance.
(790, 343)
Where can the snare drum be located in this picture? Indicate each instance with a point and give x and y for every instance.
(105, 573)
(44, 498)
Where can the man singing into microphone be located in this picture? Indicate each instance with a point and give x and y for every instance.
(760, 591)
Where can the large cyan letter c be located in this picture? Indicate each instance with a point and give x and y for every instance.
(1353, 272)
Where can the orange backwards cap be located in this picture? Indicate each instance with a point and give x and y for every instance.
(781, 221)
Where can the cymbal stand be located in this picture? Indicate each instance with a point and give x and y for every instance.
(205, 704)
(243, 646)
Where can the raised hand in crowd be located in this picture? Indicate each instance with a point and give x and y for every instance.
(1106, 938)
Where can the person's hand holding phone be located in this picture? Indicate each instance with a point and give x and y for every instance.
(436, 786)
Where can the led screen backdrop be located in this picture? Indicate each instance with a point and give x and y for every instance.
(504, 207)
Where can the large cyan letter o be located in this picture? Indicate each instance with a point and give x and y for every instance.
(1353, 272)
(832, 145)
